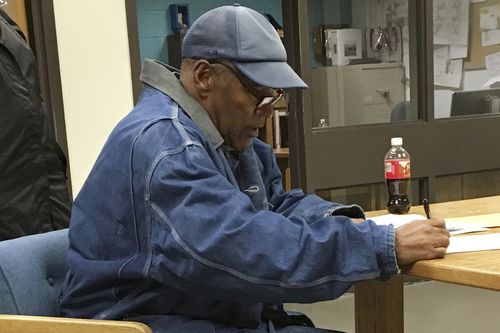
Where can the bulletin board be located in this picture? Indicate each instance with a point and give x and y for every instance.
(477, 52)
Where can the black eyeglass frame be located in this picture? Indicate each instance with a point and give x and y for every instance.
(262, 101)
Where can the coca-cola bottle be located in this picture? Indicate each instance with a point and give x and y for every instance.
(397, 176)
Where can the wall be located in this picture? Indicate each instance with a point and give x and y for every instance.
(359, 14)
(96, 83)
(153, 20)
(336, 11)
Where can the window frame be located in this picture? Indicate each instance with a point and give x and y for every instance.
(339, 157)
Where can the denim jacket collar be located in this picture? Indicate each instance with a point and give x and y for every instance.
(157, 75)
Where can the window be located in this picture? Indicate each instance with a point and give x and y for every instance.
(345, 159)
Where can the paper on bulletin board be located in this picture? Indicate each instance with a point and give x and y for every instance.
(488, 18)
(489, 23)
(490, 37)
(492, 68)
(451, 22)
(447, 72)
(477, 52)
(458, 51)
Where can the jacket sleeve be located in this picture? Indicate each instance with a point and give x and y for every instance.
(206, 237)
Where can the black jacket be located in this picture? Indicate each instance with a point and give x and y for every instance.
(33, 193)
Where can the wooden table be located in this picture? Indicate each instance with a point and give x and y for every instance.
(379, 305)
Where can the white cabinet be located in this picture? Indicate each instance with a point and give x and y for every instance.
(356, 94)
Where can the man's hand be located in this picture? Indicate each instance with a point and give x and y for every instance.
(426, 239)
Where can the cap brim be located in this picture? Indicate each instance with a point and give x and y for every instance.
(272, 74)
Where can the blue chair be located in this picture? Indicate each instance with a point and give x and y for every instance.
(32, 270)
(401, 111)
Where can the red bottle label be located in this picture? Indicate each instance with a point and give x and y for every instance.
(397, 169)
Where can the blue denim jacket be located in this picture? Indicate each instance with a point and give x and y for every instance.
(170, 223)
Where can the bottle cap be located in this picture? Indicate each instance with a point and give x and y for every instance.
(396, 141)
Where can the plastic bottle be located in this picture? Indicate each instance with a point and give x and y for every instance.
(322, 123)
(397, 176)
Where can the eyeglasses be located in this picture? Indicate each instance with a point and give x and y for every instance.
(262, 101)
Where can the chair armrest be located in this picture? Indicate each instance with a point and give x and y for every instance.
(38, 324)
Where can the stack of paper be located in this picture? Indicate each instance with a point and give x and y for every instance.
(396, 219)
(474, 243)
(456, 226)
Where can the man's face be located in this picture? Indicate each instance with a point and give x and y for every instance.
(234, 109)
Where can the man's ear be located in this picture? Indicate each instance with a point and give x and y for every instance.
(203, 77)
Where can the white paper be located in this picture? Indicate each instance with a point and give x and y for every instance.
(396, 219)
(465, 230)
(458, 51)
(489, 17)
(474, 243)
(485, 220)
(477, 1)
(447, 72)
(451, 22)
(458, 227)
(492, 68)
(455, 227)
(490, 37)
(488, 21)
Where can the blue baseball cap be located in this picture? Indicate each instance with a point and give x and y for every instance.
(245, 38)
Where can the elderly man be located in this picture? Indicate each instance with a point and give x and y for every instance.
(183, 223)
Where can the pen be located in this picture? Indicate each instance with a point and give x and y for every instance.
(425, 202)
